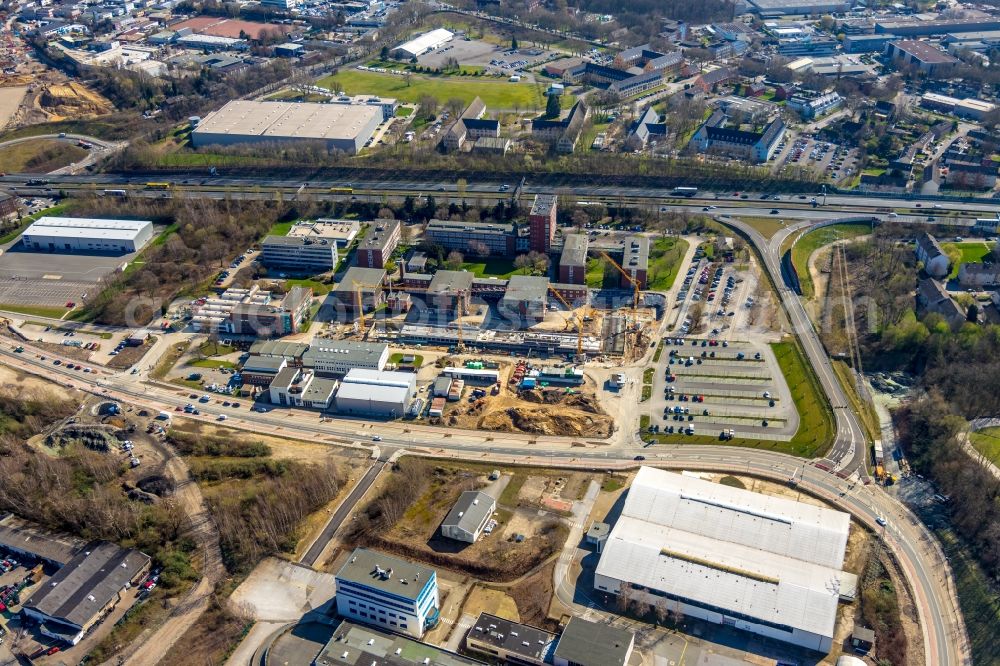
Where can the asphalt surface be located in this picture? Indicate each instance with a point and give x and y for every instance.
(343, 511)
(842, 481)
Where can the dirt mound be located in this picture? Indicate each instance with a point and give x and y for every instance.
(73, 100)
(548, 422)
(582, 401)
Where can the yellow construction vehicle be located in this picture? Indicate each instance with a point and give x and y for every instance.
(579, 322)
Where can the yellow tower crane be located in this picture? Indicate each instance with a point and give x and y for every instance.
(359, 294)
(579, 321)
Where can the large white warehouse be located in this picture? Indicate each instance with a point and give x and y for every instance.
(345, 127)
(376, 393)
(421, 44)
(71, 234)
(763, 564)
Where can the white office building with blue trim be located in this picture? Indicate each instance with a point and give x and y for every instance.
(387, 592)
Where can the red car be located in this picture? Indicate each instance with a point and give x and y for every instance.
(70, 304)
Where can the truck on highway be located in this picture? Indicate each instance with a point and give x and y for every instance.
(684, 191)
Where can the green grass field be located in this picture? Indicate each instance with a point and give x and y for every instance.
(814, 240)
(36, 310)
(280, 228)
(987, 442)
(767, 226)
(965, 253)
(319, 288)
(665, 261)
(497, 94)
(594, 277)
(816, 428)
(500, 267)
(397, 358)
(39, 156)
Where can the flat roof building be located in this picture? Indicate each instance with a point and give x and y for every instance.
(338, 357)
(299, 252)
(358, 282)
(468, 518)
(525, 300)
(378, 244)
(573, 260)
(357, 645)
(343, 127)
(388, 592)
(542, 221)
(763, 564)
(91, 235)
(450, 292)
(511, 642)
(796, 7)
(365, 392)
(586, 643)
(82, 591)
(494, 238)
(421, 44)
(924, 55)
(299, 387)
(635, 261)
(341, 232)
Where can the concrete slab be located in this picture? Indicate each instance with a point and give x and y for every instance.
(284, 591)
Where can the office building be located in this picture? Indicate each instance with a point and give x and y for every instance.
(450, 292)
(586, 643)
(471, 126)
(927, 57)
(542, 222)
(299, 387)
(388, 105)
(716, 138)
(83, 591)
(360, 287)
(298, 252)
(565, 132)
(810, 104)
(385, 591)
(272, 319)
(375, 393)
(763, 564)
(573, 260)
(421, 44)
(94, 236)
(340, 232)
(340, 127)
(635, 261)
(261, 370)
(358, 645)
(510, 642)
(469, 517)
(330, 358)
(798, 7)
(378, 244)
(524, 302)
(919, 27)
(472, 238)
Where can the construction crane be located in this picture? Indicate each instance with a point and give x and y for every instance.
(358, 287)
(635, 300)
(635, 284)
(579, 322)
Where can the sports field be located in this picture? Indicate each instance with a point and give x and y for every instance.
(497, 94)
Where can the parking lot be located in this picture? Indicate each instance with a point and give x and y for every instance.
(823, 158)
(707, 386)
(492, 57)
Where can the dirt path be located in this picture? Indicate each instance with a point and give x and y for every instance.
(150, 646)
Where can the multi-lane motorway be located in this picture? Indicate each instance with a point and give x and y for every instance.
(916, 550)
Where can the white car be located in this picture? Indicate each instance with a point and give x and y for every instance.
(377, 438)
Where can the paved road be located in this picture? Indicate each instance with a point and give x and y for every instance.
(343, 511)
(914, 547)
